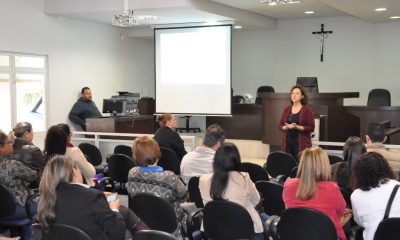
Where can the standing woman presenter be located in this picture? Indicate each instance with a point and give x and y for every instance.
(296, 123)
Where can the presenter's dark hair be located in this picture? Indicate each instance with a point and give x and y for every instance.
(226, 159)
(303, 91)
(376, 132)
(371, 171)
(164, 118)
(214, 134)
(83, 89)
(3, 138)
(55, 142)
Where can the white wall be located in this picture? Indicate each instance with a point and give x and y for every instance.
(358, 56)
(80, 54)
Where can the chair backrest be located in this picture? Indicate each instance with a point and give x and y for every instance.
(123, 149)
(309, 83)
(300, 223)
(156, 212)
(169, 160)
(93, 152)
(388, 229)
(227, 220)
(379, 97)
(262, 89)
(7, 204)
(334, 159)
(153, 235)
(194, 192)
(280, 163)
(256, 172)
(119, 166)
(238, 99)
(272, 197)
(293, 172)
(58, 231)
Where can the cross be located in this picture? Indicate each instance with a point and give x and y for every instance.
(321, 35)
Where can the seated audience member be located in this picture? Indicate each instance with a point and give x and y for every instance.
(200, 161)
(167, 137)
(24, 150)
(65, 199)
(374, 183)
(312, 187)
(56, 144)
(227, 183)
(353, 148)
(375, 138)
(150, 178)
(67, 130)
(16, 177)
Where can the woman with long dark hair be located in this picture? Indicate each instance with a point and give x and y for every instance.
(227, 183)
(353, 149)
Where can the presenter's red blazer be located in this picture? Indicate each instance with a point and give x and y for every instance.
(306, 119)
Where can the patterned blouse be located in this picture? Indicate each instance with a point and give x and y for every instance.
(16, 177)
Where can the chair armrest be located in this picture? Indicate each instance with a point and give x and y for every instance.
(102, 184)
(29, 200)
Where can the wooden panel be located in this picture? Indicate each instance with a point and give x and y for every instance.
(245, 122)
(140, 124)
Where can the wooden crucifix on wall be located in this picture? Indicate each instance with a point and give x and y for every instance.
(321, 35)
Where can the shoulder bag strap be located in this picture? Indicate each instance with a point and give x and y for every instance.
(389, 205)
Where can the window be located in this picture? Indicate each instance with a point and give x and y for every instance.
(22, 90)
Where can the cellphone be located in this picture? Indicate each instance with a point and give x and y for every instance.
(111, 197)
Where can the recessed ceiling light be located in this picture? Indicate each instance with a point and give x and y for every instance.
(380, 9)
(237, 27)
(309, 12)
(395, 17)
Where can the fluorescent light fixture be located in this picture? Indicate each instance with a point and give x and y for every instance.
(382, 9)
(237, 27)
(278, 2)
(309, 12)
(395, 17)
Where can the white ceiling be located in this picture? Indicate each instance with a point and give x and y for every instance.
(249, 13)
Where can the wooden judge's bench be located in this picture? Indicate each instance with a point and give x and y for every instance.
(338, 122)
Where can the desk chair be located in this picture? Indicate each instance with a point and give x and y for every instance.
(309, 83)
(378, 97)
(58, 231)
(262, 89)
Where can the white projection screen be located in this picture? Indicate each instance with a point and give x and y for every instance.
(193, 70)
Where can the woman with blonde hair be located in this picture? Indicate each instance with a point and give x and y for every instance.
(313, 188)
(64, 198)
(167, 137)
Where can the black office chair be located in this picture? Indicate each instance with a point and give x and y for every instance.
(156, 212)
(238, 99)
(298, 223)
(256, 172)
(194, 192)
(379, 97)
(280, 163)
(334, 159)
(388, 229)
(7, 208)
(261, 90)
(153, 235)
(272, 200)
(58, 231)
(293, 172)
(123, 149)
(118, 169)
(309, 83)
(169, 160)
(94, 155)
(227, 220)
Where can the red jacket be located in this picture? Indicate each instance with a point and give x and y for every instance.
(306, 119)
(328, 199)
